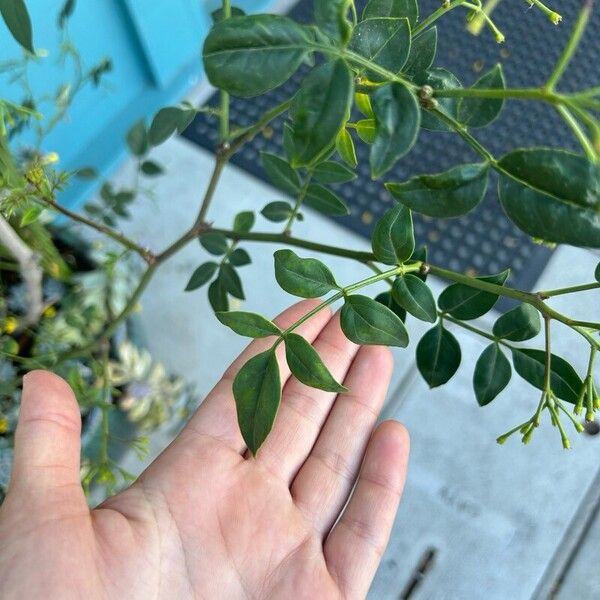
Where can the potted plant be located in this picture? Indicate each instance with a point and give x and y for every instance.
(381, 63)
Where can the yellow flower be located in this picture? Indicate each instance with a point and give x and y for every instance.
(50, 158)
(10, 324)
(3, 425)
(50, 312)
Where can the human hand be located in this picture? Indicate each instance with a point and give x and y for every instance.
(205, 520)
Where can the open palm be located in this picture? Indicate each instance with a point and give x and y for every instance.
(205, 520)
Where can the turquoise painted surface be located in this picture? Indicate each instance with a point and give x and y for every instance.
(155, 50)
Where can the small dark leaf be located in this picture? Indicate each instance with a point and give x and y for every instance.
(288, 140)
(304, 277)
(392, 8)
(393, 238)
(466, 303)
(398, 116)
(422, 53)
(257, 393)
(492, 374)
(479, 112)
(451, 194)
(414, 296)
(217, 296)
(553, 195)
(248, 324)
(387, 299)
(151, 168)
(65, 13)
(597, 273)
(164, 125)
(439, 79)
(87, 173)
(325, 201)
(306, 365)
(333, 172)
(277, 211)
(231, 281)
(214, 243)
(438, 356)
(420, 254)
(250, 55)
(345, 148)
(239, 258)
(244, 221)
(201, 276)
(331, 17)
(320, 109)
(519, 324)
(137, 139)
(16, 17)
(366, 321)
(280, 173)
(564, 380)
(384, 41)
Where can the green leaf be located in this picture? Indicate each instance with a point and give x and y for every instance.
(384, 41)
(597, 273)
(398, 117)
(392, 8)
(277, 211)
(248, 324)
(30, 215)
(479, 112)
(367, 130)
(393, 238)
(365, 321)
(492, 374)
(415, 297)
(151, 168)
(519, 324)
(86, 173)
(439, 79)
(218, 14)
(306, 365)
(231, 281)
(257, 393)
(363, 103)
(280, 173)
(345, 148)
(387, 299)
(333, 172)
(239, 258)
(16, 17)
(201, 276)
(217, 296)
(553, 195)
(164, 124)
(243, 221)
(320, 109)
(304, 277)
(564, 380)
(422, 53)
(137, 139)
(451, 194)
(250, 55)
(214, 243)
(325, 201)
(420, 254)
(331, 17)
(65, 13)
(438, 356)
(466, 303)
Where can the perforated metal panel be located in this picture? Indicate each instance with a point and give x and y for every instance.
(483, 241)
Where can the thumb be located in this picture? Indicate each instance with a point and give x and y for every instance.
(47, 438)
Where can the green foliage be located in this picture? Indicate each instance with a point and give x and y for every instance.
(248, 324)
(244, 221)
(422, 53)
(465, 303)
(280, 173)
(151, 168)
(392, 8)
(277, 211)
(414, 296)
(451, 194)
(329, 172)
(492, 374)
(304, 277)
(519, 324)
(393, 238)
(365, 321)
(332, 18)
(479, 112)
(553, 195)
(439, 79)
(597, 272)
(214, 243)
(201, 276)
(167, 121)
(137, 139)
(257, 392)
(16, 17)
(325, 201)
(306, 365)
(345, 148)
(230, 280)
(438, 356)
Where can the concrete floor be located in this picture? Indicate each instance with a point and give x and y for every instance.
(496, 522)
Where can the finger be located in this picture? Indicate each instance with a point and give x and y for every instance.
(325, 481)
(47, 438)
(303, 409)
(216, 417)
(356, 544)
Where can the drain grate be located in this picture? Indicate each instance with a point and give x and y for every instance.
(484, 241)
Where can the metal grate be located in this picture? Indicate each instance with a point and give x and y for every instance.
(484, 241)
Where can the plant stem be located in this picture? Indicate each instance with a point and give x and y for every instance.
(301, 196)
(434, 16)
(224, 117)
(474, 329)
(548, 362)
(582, 138)
(569, 290)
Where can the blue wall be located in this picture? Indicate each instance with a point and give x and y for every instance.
(155, 49)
